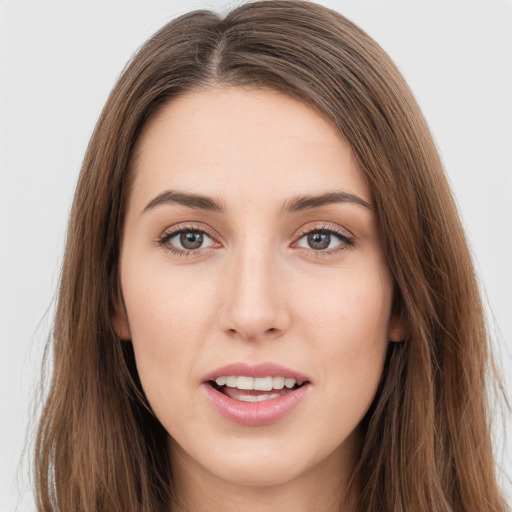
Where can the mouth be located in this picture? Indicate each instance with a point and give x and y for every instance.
(255, 395)
(255, 389)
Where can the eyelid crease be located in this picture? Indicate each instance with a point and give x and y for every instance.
(184, 226)
(325, 226)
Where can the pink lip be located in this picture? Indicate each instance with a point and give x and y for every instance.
(255, 413)
(258, 370)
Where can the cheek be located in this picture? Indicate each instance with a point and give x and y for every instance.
(169, 318)
(165, 307)
(347, 322)
(352, 304)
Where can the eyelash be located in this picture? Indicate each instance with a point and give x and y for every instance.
(346, 241)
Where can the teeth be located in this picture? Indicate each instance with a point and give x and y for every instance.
(257, 384)
(245, 383)
(263, 383)
(278, 382)
(221, 381)
(231, 381)
(289, 383)
(260, 398)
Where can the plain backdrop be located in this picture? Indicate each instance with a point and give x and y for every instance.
(58, 62)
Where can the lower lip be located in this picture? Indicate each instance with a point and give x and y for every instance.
(255, 413)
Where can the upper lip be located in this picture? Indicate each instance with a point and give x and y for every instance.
(266, 369)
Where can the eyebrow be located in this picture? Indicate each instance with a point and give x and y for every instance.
(196, 201)
(308, 202)
(294, 205)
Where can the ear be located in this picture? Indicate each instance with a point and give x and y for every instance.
(120, 319)
(120, 323)
(398, 327)
(119, 316)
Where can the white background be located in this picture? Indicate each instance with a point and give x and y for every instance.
(59, 60)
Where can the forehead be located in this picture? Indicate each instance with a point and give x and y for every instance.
(243, 143)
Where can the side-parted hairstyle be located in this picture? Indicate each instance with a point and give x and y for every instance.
(426, 438)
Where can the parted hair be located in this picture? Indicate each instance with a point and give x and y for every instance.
(426, 438)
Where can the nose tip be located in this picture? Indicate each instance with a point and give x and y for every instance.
(256, 315)
(254, 303)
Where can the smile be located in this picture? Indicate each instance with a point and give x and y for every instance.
(254, 389)
(255, 395)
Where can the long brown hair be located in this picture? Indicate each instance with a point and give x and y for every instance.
(427, 439)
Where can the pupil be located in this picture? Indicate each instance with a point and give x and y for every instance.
(191, 239)
(319, 240)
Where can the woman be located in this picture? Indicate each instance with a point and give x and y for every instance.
(267, 300)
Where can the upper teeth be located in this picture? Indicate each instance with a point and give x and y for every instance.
(256, 383)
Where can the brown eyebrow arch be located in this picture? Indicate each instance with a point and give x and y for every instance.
(307, 202)
(296, 204)
(196, 201)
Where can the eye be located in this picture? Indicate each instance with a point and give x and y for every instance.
(324, 240)
(186, 240)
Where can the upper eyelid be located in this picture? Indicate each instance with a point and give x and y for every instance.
(179, 228)
(301, 232)
(343, 239)
(324, 226)
(164, 239)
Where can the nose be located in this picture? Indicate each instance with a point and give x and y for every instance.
(254, 303)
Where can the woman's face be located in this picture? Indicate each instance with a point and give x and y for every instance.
(251, 256)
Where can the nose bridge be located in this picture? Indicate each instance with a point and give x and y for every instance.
(254, 306)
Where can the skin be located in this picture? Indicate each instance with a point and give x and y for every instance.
(254, 291)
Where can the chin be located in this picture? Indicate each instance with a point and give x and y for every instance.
(267, 462)
(261, 473)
